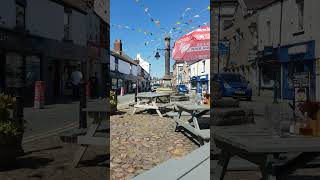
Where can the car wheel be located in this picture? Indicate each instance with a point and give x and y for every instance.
(249, 98)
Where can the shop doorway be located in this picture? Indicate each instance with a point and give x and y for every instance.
(56, 70)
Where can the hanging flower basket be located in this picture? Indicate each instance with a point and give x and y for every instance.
(113, 101)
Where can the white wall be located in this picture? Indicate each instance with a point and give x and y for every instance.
(7, 13)
(45, 18)
(271, 14)
(289, 24)
(134, 70)
(78, 28)
(112, 63)
(144, 64)
(123, 67)
(196, 69)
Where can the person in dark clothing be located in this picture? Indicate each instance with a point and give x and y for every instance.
(94, 85)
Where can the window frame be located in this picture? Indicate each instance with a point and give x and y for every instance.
(23, 7)
(300, 6)
(68, 13)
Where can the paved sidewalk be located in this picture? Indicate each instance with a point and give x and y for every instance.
(52, 117)
(49, 159)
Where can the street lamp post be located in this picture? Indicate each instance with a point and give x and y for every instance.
(167, 77)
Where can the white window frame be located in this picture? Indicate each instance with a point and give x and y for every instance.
(300, 6)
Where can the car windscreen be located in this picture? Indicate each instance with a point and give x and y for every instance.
(182, 87)
(233, 78)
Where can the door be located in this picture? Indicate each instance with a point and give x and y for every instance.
(56, 79)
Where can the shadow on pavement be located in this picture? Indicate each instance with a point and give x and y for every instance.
(99, 160)
(300, 177)
(28, 163)
(118, 113)
(46, 149)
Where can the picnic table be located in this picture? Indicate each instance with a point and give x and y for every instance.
(258, 146)
(195, 165)
(196, 111)
(97, 109)
(150, 100)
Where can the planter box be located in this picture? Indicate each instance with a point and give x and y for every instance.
(8, 150)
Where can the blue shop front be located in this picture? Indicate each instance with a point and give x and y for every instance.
(297, 59)
(201, 82)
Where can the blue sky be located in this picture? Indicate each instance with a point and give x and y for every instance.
(143, 24)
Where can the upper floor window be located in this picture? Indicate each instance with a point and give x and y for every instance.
(300, 4)
(203, 66)
(269, 32)
(67, 24)
(20, 15)
(237, 39)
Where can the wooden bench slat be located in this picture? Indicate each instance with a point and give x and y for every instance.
(87, 140)
(176, 169)
(200, 172)
(205, 133)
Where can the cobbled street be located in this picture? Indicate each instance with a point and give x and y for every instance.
(140, 142)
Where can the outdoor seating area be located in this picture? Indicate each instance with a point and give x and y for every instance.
(231, 125)
(98, 111)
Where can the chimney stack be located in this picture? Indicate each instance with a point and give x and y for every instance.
(118, 46)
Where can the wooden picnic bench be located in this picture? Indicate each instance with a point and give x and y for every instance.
(150, 100)
(195, 165)
(98, 109)
(261, 148)
(192, 125)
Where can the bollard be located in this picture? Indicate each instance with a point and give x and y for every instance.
(83, 104)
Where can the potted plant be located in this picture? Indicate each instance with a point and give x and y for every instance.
(9, 131)
(113, 101)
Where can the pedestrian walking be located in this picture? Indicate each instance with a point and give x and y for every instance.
(76, 78)
(94, 85)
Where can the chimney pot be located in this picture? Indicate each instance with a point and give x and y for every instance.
(118, 46)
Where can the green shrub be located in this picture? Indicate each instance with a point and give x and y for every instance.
(7, 125)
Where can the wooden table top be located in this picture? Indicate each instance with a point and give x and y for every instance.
(151, 95)
(257, 140)
(190, 106)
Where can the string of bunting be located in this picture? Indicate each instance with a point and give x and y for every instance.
(188, 21)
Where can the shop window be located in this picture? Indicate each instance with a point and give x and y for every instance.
(193, 84)
(14, 70)
(32, 70)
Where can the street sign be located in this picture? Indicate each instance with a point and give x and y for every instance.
(301, 80)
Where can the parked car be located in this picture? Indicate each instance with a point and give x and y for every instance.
(154, 87)
(182, 88)
(234, 85)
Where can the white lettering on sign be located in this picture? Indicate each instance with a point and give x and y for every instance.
(297, 49)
